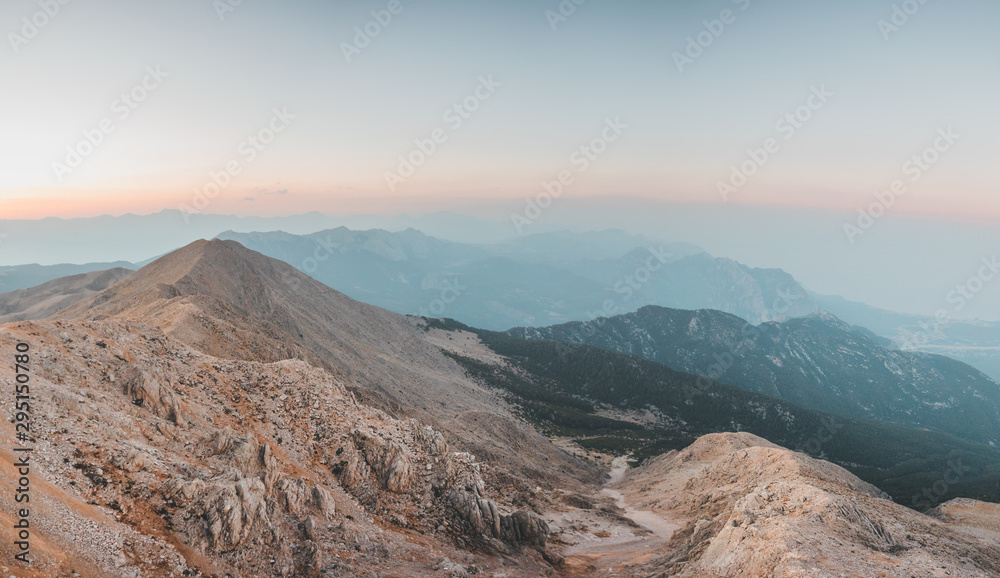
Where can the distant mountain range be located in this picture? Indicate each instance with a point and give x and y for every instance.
(538, 280)
(910, 266)
(81, 240)
(15, 277)
(818, 362)
(549, 278)
(974, 342)
(558, 277)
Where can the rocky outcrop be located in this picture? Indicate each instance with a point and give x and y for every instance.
(297, 497)
(227, 508)
(369, 458)
(244, 453)
(480, 515)
(434, 441)
(747, 507)
(484, 520)
(524, 527)
(146, 391)
(396, 470)
(434, 485)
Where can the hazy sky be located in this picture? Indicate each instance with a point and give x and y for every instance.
(555, 85)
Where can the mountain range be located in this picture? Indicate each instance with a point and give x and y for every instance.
(17, 277)
(218, 411)
(550, 278)
(817, 362)
(537, 280)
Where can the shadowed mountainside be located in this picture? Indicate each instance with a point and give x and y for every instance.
(817, 362)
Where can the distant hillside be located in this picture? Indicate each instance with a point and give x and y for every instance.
(817, 362)
(974, 342)
(536, 280)
(50, 298)
(13, 278)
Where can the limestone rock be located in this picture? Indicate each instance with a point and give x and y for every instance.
(524, 527)
(231, 506)
(146, 391)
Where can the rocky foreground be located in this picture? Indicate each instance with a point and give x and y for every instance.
(152, 459)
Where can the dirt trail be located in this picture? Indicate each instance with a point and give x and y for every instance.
(649, 520)
(612, 551)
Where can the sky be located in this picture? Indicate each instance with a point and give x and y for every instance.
(617, 97)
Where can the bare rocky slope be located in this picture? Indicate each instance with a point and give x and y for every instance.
(153, 459)
(747, 507)
(220, 413)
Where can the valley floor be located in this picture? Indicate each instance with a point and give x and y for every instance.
(613, 546)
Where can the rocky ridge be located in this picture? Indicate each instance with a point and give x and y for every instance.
(749, 507)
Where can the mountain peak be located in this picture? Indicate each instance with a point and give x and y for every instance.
(227, 301)
(224, 270)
